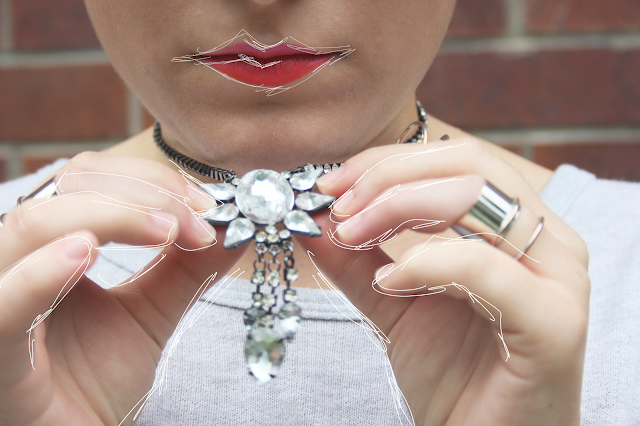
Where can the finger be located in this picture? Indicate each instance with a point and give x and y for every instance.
(430, 205)
(133, 177)
(352, 271)
(32, 287)
(433, 205)
(171, 283)
(111, 218)
(148, 184)
(491, 282)
(374, 171)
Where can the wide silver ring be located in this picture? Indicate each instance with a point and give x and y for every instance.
(491, 216)
(46, 190)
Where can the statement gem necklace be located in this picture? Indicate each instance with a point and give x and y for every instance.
(251, 207)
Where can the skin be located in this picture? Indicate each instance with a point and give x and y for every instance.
(97, 352)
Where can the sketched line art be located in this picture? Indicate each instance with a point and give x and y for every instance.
(369, 328)
(227, 53)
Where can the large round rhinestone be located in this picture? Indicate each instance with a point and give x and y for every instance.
(264, 196)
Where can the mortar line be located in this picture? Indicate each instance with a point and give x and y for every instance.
(6, 26)
(563, 136)
(532, 44)
(51, 59)
(516, 17)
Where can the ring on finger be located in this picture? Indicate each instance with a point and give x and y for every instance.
(46, 190)
(493, 216)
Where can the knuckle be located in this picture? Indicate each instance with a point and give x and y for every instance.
(475, 151)
(579, 248)
(574, 334)
(83, 161)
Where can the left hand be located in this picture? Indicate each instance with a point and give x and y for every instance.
(445, 350)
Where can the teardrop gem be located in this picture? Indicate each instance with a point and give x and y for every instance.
(305, 180)
(219, 191)
(264, 351)
(221, 215)
(240, 231)
(312, 201)
(299, 222)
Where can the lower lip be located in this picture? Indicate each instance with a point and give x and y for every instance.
(291, 68)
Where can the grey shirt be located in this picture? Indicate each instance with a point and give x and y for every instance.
(336, 372)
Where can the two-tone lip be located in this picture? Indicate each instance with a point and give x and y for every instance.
(267, 67)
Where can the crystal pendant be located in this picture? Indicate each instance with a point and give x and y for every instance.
(268, 320)
(305, 180)
(240, 231)
(273, 278)
(299, 222)
(290, 274)
(284, 234)
(289, 319)
(268, 300)
(257, 277)
(221, 215)
(311, 201)
(264, 351)
(219, 191)
(264, 196)
(290, 295)
(252, 316)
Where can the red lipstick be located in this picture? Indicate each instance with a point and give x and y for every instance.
(271, 67)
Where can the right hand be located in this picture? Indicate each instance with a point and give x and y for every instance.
(95, 355)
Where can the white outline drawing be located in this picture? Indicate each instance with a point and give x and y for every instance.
(189, 316)
(339, 53)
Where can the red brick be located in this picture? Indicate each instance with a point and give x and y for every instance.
(545, 16)
(52, 24)
(552, 88)
(477, 18)
(87, 102)
(31, 163)
(607, 160)
(4, 170)
(516, 149)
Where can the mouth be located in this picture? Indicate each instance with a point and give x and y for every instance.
(267, 67)
(258, 68)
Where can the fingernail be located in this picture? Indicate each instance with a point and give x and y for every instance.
(165, 221)
(329, 178)
(205, 231)
(342, 205)
(384, 271)
(347, 228)
(200, 200)
(76, 248)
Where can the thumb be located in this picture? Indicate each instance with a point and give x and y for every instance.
(352, 270)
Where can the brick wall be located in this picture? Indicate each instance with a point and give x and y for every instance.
(557, 81)
(554, 80)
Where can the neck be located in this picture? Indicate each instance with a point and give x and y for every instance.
(143, 146)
